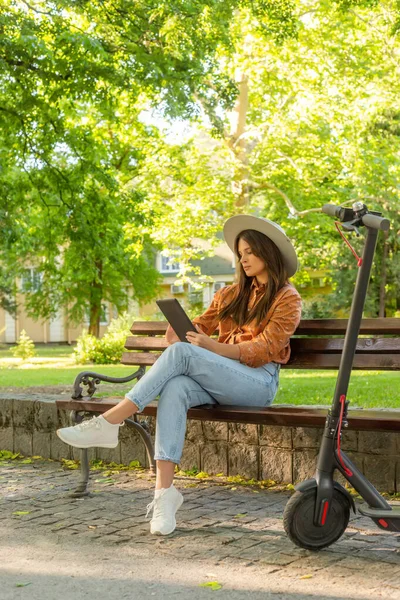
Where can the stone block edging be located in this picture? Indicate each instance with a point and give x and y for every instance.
(283, 454)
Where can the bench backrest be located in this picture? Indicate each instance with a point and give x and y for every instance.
(313, 345)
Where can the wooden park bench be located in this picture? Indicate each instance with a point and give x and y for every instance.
(318, 350)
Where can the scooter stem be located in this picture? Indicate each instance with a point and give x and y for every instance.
(354, 323)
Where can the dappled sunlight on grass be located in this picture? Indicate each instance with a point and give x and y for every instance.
(302, 374)
(37, 363)
(53, 365)
(49, 376)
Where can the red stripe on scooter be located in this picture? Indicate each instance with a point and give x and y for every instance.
(383, 523)
(326, 505)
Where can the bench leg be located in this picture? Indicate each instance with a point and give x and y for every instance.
(147, 442)
(81, 489)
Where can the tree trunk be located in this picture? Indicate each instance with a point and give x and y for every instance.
(383, 276)
(96, 296)
(238, 141)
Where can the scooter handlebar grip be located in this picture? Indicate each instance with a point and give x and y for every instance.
(331, 210)
(376, 222)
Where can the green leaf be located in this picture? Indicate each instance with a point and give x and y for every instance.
(213, 585)
(6, 454)
(134, 464)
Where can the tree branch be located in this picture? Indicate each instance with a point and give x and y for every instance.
(36, 10)
(293, 211)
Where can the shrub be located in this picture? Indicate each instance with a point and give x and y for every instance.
(25, 347)
(108, 349)
(317, 308)
(85, 348)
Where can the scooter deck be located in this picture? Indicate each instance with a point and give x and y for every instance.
(389, 520)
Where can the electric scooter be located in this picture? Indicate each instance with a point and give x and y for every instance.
(318, 513)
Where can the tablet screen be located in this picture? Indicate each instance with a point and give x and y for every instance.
(176, 317)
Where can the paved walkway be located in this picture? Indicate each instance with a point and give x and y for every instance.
(100, 546)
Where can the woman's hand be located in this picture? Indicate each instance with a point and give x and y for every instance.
(171, 336)
(202, 340)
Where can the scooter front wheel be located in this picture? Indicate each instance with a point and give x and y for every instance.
(298, 520)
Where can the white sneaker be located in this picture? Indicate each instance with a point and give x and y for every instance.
(92, 433)
(165, 504)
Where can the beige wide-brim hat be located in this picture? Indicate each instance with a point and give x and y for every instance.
(239, 223)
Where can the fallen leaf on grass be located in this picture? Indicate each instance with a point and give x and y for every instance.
(213, 585)
(108, 480)
(306, 577)
(240, 516)
(23, 584)
(20, 513)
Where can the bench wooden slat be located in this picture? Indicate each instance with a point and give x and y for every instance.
(370, 362)
(335, 345)
(145, 359)
(146, 343)
(308, 345)
(302, 360)
(381, 326)
(376, 420)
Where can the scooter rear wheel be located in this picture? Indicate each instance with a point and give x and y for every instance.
(298, 520)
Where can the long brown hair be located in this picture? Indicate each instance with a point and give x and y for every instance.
(265, 249)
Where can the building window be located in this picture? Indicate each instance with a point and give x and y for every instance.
(168, 264)
(218, 285)
(104, 320)
(103, 315)
(317, 282)
(177, 289)
(195, 296)
(31, 280)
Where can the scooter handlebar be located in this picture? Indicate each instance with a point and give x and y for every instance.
(369, 220)
(331, 210)
(376, 222)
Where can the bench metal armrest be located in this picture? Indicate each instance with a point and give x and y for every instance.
(91, 380)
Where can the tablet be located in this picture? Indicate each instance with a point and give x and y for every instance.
(176, 317)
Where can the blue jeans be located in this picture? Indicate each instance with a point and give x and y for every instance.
(185, 376)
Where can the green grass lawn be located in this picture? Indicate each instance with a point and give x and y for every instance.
(54, 366)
